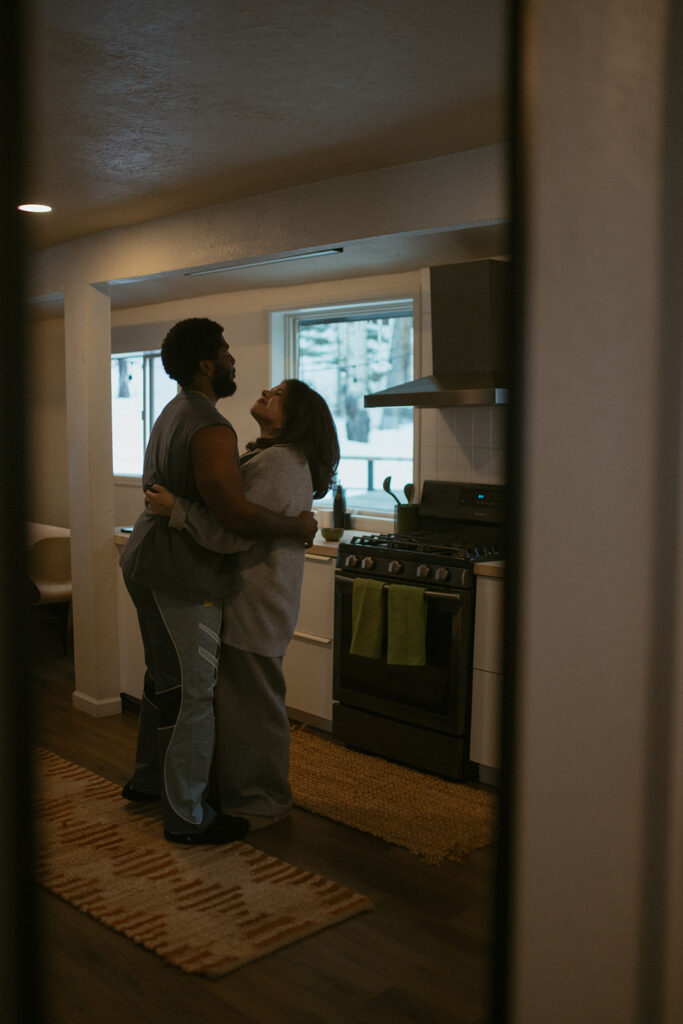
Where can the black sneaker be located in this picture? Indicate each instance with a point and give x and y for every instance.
(129, 792)
(223, 829)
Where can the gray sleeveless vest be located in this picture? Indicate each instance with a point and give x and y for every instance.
(156, 556)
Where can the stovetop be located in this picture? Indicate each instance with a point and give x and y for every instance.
(459, 525)
(468, 548)
(415, 558)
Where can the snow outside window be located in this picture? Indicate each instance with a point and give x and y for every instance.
(345, 354)
(140, 388)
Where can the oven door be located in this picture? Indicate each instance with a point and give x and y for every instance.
(412, 706)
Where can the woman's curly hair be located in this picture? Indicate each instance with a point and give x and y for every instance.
(310, 429)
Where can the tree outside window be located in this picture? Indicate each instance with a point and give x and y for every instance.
(344, 357)
(140, 388)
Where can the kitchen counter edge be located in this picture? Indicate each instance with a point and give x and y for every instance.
(320, 546)
(329, 549)
(494, 569)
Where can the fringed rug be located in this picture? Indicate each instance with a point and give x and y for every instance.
(207, 910)
(437, 819)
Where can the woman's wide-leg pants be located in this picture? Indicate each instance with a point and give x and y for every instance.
(252, 736)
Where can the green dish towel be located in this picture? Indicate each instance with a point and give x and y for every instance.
(406, 625)
(367, 618)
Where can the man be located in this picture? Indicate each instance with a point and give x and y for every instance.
(177, 586)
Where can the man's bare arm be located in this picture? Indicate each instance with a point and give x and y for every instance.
(221, 487)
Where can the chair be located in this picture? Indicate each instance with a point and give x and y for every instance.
(49, 568)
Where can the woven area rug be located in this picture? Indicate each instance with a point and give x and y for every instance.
(207, 910)
(437, 819)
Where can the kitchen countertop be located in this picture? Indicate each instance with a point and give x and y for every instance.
(495, 569)
(330, 548)
(320, 546)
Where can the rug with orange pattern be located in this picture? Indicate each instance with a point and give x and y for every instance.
(207, 910)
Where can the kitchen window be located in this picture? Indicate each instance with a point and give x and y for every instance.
(140, 388)
(345, 352)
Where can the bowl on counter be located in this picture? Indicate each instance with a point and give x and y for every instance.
(331, 532)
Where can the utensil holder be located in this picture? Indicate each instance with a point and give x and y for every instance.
(407, 518)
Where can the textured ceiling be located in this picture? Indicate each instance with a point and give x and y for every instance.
(143, 109)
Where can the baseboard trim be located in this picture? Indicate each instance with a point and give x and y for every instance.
(489, 776)
(325, 724)
(98, 708)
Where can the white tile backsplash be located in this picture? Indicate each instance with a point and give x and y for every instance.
(445, 462)
(463, 465)
(481, 464)
(428, 419)
(463, 426)
(481, 427)
(499, 423)
(428, 462)
(466, 444)
(497, 466)
(445, 427)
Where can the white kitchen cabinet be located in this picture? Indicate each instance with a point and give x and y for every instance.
(308, 662)
(487, 679)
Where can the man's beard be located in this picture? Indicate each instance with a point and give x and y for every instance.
(224, 385)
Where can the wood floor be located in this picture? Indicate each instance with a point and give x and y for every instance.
(422, 955)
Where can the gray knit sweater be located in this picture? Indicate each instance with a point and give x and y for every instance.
(261, 614)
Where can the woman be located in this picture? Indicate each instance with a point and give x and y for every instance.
(294, 460)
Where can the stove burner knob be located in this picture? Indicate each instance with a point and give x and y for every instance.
(423, 571)
(442, 575)
(368, 563)
(395, 567)
(350, 562)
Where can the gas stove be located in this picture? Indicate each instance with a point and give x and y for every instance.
(467, 548)
(413, 712)
(459, 525)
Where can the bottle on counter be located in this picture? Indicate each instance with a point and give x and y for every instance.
(339, 508)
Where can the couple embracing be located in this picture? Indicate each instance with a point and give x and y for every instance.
(214, 566)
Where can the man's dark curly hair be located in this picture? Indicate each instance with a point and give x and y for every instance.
(310, 429)
(186, 344)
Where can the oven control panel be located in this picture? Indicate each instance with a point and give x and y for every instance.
(405, 567)
(446, 502)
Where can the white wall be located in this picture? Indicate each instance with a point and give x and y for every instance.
(467, 444)
(48, 469)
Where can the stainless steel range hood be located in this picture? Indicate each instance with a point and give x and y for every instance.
(469, 332)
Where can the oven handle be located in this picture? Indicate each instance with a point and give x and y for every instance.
(322, 641)
(427, 593)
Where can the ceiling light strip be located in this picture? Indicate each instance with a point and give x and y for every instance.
(263, 263)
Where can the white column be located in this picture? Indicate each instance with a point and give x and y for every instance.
(87, 330)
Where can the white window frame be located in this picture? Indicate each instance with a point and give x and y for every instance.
(148, 356)
(284, 364)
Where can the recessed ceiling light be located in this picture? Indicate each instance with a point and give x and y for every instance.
(35, 208)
